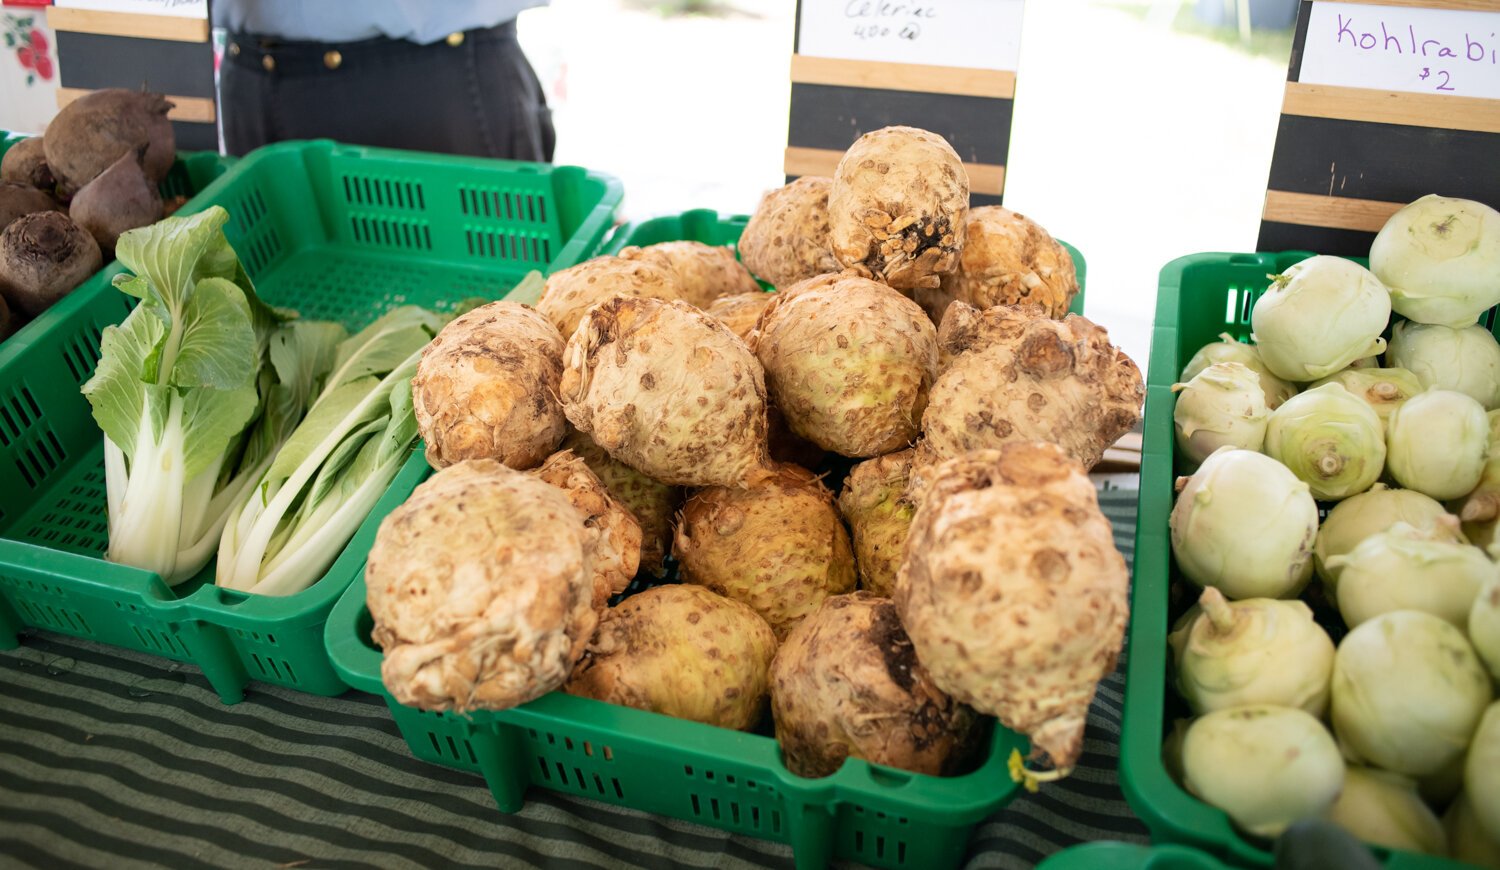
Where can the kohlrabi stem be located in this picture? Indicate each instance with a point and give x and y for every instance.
(1217, 609)
(1330, 464)
(1386, 392)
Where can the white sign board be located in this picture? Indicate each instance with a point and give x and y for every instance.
(975, 34)
(179, 8)
(1395, 48)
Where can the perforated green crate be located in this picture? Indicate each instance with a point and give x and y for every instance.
(730, 780)
(709, 227)
(336, 232)
(1199, 297)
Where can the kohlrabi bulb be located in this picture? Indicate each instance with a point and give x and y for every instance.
(1482, 772)
(1382, 389)
(1226, 349)
(1402, 568)
(1467, 841)
(1408, 692)
(1244, 525)
(1318, 317)
(1265, 766)
(1333, 441)
(1465, 360)
(1385, 809)
(1440, 257)
(1436, 443)
(1255, 651)
(1222, 406)
(1484, 625)
(1360, 516)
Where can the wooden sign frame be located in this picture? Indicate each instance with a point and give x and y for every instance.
(170, 54)
(1347, 158)
(834, 101)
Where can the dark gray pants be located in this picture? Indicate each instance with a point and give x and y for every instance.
(478, 97)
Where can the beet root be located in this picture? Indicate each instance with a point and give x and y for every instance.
(19, 200)
(120, 199)
(91, 133)
(26, 163)
(43, 256)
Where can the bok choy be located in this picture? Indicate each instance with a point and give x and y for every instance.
(287, 531)
(175, 392)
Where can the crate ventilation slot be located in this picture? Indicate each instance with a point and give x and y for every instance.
(55, 617)
(161, 641)
(249, 211)
(391, 233)
(508, 246)
(275, 669)
(503, 205)
(258, 252)
(81, 354)
(384, 193)
(40, 458)
(453, 752)
(17, 415)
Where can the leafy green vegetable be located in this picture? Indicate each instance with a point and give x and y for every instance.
(334, 466)
(174, 391)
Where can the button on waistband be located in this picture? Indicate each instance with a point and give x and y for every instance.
(456, 38)
(332, 59)
(268, 62)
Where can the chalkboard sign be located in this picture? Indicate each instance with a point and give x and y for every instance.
(1386, 101)
(948, 66)
(160, 45)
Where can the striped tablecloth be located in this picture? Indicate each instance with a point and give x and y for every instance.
(111, 759)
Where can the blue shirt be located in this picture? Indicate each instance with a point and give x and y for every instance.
(421, 21)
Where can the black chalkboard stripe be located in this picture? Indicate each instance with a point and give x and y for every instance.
(193, 136)
(983, 177)
(1299, 41)
(1440, 111)
(132, 24)
(963, 81)
(1337, 212)
(1276, 236)
(832, 117)
(1386, 162)
(89, 61)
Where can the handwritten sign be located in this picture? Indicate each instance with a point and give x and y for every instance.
(975, 34)
(178, 8)
(1394, 48)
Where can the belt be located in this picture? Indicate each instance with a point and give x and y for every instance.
(293, 58)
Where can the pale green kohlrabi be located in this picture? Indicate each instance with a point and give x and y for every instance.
(1318, 317)
(337, 463)
(1402, 568)
(1467, 841)
(174, 391)
(1484, 625)
(1482, 772)
(1465, 360)
(1360, 516)
(1436, 443)
(1382, 389)
(1255, 651)
(1332, 440)
(1245, 525)
(1440, 257)
(1226, 349)
(1223, 405)
(1385, 809)
(1480, 508)
(1408, 692)
(1265, 766)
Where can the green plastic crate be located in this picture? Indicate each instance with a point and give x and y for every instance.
(707, 226)
(1200, 296)
(1109, 855)
(336, 232)
(730, 780)
(734, 781)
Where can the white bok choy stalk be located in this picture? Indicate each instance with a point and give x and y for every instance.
(335, 466)
(174, 393)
